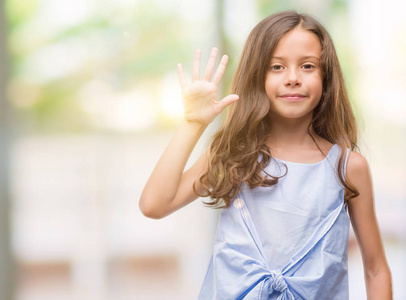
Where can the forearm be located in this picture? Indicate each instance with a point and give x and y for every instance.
(379, 285)
(163, 183)
(169, 187)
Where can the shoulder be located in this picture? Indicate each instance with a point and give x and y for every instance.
(358, 173)
(357, 165)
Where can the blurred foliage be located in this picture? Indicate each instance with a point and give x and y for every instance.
(124, 48)
(266, 7)
(19, 11)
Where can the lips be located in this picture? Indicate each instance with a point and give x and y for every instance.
(293, 96)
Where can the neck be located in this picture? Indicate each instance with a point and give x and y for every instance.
(291, 133)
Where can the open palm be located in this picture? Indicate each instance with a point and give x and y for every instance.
(200, 95)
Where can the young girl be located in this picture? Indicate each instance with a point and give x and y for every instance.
(281, 166)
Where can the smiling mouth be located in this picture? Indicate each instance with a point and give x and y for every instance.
(293, 97)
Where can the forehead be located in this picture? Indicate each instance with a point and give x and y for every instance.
(298, 42)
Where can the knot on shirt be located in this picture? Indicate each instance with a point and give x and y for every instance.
(278, 282)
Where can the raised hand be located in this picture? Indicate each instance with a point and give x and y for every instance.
(200, 95)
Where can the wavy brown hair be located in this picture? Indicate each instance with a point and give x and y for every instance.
(233, 157)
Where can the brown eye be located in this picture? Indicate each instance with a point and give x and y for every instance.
(276, 67)
(308, 67)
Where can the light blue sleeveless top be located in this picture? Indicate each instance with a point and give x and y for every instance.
(288, 241)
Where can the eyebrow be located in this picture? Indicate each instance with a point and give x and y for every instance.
(303, 57)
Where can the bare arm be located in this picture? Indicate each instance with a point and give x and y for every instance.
(362, 213)
(169, 188)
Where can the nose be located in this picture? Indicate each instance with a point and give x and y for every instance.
(293, 78)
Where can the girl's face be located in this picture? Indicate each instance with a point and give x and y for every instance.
(293, 82)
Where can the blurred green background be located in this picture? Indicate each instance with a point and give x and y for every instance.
(89, 100)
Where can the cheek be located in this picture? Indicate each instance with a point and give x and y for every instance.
(270, 86)
(316, 85)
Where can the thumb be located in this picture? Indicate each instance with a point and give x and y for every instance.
(228, 100)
